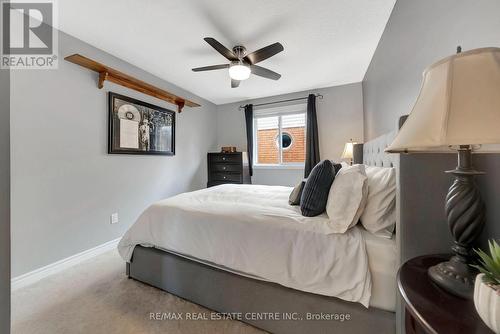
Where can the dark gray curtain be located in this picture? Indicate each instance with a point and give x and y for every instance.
(312, 141)
(249, 122)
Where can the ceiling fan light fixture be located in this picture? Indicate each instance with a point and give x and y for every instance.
(242, 64)
(239, 71)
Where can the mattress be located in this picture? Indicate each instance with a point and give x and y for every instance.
(382, 261)
(383, 264)
(252, 230)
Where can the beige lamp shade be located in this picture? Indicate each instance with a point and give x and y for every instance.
(348, 148)
(458, 104)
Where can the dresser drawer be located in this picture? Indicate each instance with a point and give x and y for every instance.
(226, 177)
(224, 167)
(229, 158)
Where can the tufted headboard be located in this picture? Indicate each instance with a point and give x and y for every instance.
(372, 152)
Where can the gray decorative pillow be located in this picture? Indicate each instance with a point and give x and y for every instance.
(315, 194)
(294, 198)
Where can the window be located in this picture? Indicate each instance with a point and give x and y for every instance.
(279, 138)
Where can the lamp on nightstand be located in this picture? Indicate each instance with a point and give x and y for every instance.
(458, 108)
(348, 152)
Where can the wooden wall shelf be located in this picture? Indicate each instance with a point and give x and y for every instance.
(120, 78)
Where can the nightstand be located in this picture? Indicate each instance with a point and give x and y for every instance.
(428, 308)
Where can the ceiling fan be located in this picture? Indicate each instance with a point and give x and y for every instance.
(242, 64)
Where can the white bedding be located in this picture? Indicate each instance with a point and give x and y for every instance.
(252, 230)
(383, 264)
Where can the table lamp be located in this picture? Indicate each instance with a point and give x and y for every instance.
(458, 108)
(348, 152)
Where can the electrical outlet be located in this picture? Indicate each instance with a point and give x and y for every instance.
(114, 218)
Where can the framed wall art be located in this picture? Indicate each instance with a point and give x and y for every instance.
(137, 127)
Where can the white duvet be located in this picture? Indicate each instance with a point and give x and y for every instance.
(253, 230)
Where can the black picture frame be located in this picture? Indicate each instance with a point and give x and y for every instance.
(155, 127)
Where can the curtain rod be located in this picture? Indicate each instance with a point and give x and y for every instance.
(319, 96)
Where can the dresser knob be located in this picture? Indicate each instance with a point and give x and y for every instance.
(224, 177)
(223, 168)
(224, 158)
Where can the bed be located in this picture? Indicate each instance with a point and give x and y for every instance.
(279, 285)
(251, 230)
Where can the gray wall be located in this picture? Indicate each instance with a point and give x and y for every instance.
(340, 118)
(64, 184)
(4, 201)
(419, 33)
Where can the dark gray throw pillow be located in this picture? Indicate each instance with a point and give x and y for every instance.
(294, 198)
(317, 187)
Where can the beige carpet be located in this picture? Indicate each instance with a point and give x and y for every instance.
(97, 297)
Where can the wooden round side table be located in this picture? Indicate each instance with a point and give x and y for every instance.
(428, 308)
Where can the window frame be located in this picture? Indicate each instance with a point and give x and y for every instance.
(294, 109)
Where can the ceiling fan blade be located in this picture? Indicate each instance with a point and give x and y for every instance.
(221, 48)
(235, 83)
(210, 68)
(264, 53)
(264, 72)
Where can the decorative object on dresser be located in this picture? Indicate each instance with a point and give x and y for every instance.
(227, 168)
(458, 107)
(137, 127)
(228, 149)
(347, 154)
(487, 287)
(429, 309)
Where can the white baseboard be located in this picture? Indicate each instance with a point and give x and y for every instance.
(53, 268)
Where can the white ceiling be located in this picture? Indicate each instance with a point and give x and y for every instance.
(327, 42)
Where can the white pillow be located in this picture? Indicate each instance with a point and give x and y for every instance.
(379, 215)
(347, 198)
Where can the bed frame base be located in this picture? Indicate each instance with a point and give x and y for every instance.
(230, 293)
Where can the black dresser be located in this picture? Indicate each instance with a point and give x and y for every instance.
(227, 168)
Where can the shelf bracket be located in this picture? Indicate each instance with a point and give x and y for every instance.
(180, 105)
(103, 76)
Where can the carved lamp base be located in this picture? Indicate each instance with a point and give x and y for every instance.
(465, 212)
(455, 277)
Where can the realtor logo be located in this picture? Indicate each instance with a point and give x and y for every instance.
(29, 35)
